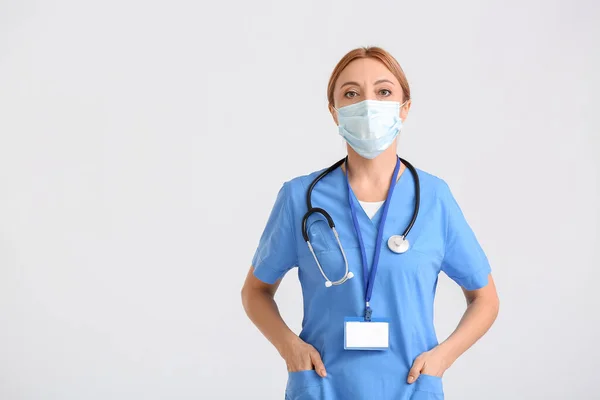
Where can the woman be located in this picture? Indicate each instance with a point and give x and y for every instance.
(368, 331)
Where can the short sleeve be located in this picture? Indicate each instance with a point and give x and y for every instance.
(464, 260)
(276, 252)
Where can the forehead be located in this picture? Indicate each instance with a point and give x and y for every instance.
(365, 71)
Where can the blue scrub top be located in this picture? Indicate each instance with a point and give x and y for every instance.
(404, 289)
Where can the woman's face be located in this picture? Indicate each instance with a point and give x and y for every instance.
(367, 79)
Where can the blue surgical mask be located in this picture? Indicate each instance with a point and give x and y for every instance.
(370, 126)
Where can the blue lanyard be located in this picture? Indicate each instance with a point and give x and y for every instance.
(369, 279)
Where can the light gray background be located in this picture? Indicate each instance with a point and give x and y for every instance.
(142, 145)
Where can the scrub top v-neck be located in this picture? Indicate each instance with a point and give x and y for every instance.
(441, 240)
(371, 207)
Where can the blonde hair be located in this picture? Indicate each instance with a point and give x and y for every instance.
(368, 52)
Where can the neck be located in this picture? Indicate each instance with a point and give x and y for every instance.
(376, 171)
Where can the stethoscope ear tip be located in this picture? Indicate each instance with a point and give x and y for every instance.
(350, 275)
(328, 284)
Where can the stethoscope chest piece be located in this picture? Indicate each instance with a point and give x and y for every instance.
(398, 244)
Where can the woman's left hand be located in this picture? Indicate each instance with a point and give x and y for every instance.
(433, 362)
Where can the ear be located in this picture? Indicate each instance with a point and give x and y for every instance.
(333, 114)
(404, 110)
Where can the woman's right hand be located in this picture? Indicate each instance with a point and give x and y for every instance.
(301, 356)
(259, 303)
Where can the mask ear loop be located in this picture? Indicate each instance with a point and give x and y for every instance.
(337, 110)
(402, 105)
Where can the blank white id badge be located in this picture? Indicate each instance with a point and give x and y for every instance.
(366, 335)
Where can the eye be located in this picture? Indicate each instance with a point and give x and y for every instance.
(350, 94)
(385, 92)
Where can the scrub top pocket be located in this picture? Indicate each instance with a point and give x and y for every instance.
(428, 387)
(304, 385)
(318, 231)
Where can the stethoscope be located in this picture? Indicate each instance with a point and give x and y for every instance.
(396, 243)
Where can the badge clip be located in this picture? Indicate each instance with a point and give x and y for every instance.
(368, 313)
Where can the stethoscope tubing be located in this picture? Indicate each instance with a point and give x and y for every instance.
(317, 210)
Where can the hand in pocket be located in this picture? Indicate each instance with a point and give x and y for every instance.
(301, 356)
(432, 362)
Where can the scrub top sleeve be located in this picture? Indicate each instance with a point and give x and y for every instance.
(464, 260)
(276, 252)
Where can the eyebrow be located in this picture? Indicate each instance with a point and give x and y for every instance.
(376, 83)
(349, 83)
(383, 80)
